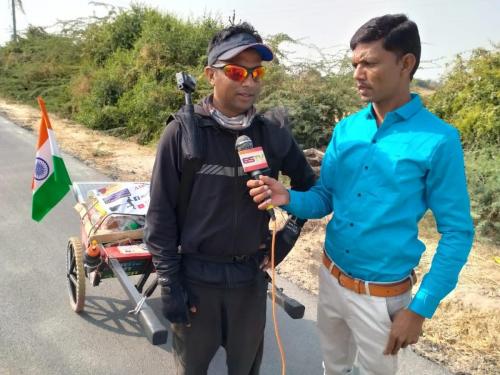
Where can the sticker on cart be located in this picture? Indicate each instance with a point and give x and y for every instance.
(121, 197)
(133, 249)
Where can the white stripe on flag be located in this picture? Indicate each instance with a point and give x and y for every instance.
(53, 143)
(44, 165)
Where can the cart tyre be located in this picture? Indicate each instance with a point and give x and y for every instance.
(75, 274)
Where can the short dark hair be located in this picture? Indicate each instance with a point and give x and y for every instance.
(399, 34)
(241, 28)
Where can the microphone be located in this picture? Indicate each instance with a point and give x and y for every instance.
(253, 161)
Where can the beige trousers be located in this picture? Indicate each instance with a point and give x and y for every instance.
(355, 327)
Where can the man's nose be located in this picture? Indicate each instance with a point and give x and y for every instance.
(250, 81)
(358, 73)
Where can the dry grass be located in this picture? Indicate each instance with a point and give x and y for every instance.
(463, 334)
(462, 337)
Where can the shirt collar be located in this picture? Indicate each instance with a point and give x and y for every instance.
(406, 111)
(409, 109)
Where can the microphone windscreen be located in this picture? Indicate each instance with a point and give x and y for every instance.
(243, 142)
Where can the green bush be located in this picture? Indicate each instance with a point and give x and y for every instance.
(105, 90)
(39, 64)
(146, 106)
(483, 178)
(108, 117)
(469, 98)
(317, 95)
(119, 72)
(101, 39)
(132, 78)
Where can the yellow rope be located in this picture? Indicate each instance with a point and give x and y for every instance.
(273, 294)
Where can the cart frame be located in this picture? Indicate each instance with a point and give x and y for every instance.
(112, 259)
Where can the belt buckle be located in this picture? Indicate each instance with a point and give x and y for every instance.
(240, 258)
(355, 287)
(341, 275)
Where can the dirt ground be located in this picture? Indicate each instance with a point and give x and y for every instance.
(464, 333)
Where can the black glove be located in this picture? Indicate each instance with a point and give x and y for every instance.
(285, 239)
(175, 301)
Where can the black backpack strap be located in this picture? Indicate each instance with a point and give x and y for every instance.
(192, 145)
(189, 169)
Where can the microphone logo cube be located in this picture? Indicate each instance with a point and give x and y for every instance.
(253, 159)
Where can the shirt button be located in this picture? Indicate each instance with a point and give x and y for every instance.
(366, 167)
(347, 251)
(351, 224)
(359, 194)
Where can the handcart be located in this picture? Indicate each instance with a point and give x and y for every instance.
(114, 252)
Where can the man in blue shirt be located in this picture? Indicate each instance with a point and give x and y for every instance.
(384, 167)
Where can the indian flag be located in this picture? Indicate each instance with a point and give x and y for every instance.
(51, 181)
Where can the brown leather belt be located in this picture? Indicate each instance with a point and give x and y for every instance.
(372, 289)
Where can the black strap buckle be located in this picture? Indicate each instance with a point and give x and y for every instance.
(241, 258)
(221, 258)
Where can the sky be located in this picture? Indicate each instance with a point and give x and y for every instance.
(447, 27)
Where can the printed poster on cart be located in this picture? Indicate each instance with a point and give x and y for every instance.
(125, 198)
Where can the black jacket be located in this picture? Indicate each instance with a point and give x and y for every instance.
(221, 218)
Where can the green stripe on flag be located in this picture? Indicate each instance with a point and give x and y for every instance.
(60, 171)
(52, 191)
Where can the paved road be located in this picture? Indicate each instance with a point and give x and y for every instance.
(39, 333)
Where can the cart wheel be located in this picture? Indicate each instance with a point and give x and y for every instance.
(75, 274)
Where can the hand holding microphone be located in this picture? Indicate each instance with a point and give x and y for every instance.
(254, 163)
(268, 191)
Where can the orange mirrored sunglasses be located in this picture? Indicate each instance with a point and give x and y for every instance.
(240, 73)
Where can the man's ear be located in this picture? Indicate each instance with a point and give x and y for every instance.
(210, 74)
(409, 62)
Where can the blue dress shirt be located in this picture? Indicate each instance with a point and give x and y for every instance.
(379, 182)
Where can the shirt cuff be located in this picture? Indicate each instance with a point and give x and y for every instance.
(290, 207)
(424, 304)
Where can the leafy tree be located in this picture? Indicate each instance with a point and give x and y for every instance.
(118, 72)
(114, 32)
(127, 80)
(316, 94)
(483, 177)
(39, 63)
(469, 98)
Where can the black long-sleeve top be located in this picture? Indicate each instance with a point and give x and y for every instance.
(221, 218)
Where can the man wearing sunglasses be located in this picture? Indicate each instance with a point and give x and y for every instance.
(385, 166)
(210, 270)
